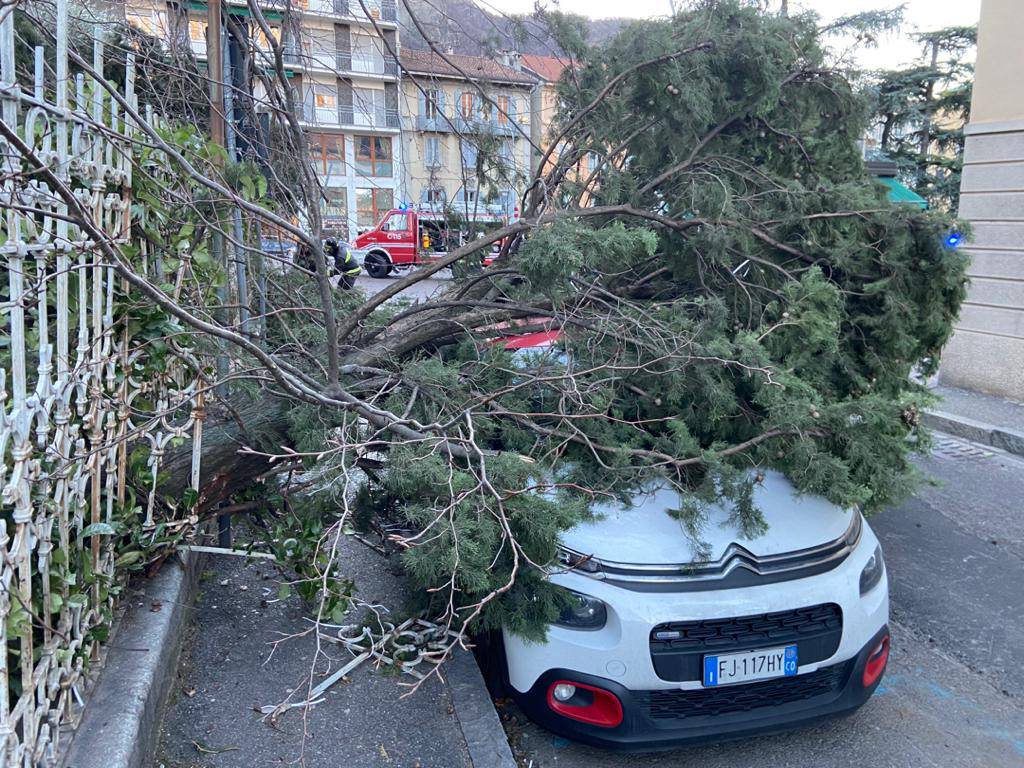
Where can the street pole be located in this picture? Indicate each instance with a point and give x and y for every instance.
(241, 278)
(215, 71)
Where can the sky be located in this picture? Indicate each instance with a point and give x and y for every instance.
(919, 15)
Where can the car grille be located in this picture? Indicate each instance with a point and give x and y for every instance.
(671, 705)
(737, 567)
(678, 647)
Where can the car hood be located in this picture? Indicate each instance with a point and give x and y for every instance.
(644, 532)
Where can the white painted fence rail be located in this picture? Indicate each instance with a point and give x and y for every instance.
(72, 406)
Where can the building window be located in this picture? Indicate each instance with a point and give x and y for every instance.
(371, 204)
(335, 213)
(197, 30)
(467, 105)
(432, 104)
(591, 162)
(325, 99)
(141, 23)
(366, 55)
(434, 196)
(505, 155)
(432, 152)
(321, 48)
(373, 155)
(261, 41)
(368, 105)
(327, 153)
(469, 153)
(504, 109)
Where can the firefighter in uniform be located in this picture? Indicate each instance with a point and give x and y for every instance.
(344, 263)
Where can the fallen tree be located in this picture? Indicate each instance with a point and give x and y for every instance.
(729, 286)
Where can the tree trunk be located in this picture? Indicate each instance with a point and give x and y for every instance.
(224, 470)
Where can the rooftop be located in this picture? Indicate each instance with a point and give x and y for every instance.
(547, 68)
(475, 67)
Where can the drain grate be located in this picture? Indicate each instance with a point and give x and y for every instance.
(960, 449)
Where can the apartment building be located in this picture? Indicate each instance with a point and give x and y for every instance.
(346, 76)
(546, 70)
(467, 123)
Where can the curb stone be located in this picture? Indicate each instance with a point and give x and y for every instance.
(481, 728)
(121, 719)
(1009, 440)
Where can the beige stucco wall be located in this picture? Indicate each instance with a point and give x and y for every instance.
(998, 87)
(986, 352)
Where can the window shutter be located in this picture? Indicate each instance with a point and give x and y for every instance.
(390, 50)
(345, 112)
(343, 47)
(391, 105)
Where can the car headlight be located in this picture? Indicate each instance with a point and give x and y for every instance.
(583, 612)
(872, 573)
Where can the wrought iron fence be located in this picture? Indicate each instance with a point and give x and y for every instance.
(72, 403)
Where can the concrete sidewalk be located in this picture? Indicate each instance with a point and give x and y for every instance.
(229, 668)
(980, 418)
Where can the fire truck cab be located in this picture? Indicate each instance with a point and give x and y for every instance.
(407, 237)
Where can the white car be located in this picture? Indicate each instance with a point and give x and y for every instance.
(666, 646)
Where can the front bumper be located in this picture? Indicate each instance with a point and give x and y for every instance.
(664, 719)
(621, 649)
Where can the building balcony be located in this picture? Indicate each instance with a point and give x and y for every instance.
(460, 124)
(435, 123)
(366, 64)
(341, 62)
(348, 117)
(382, 11)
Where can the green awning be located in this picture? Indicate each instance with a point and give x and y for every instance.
(199, 5)
(898, 193)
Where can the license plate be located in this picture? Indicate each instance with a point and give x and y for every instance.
(746, 666)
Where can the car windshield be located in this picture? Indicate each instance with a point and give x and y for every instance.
(531, 358)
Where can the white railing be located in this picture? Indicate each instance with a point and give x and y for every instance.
(375, 9)
(368, 63)
(322, 58)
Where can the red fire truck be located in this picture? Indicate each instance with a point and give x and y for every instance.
(406, 237)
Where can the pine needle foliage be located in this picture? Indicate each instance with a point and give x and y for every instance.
(737, 293)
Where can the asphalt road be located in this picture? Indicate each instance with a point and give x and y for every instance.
(953, 695)
(422, 290)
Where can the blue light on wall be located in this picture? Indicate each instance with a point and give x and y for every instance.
(953, 239)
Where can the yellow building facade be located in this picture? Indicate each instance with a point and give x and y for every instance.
(466, 132)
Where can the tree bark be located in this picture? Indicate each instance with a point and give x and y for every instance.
(224, 469)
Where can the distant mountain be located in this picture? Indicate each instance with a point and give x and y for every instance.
(464, 27)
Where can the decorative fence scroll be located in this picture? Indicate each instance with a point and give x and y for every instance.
(72, 401)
